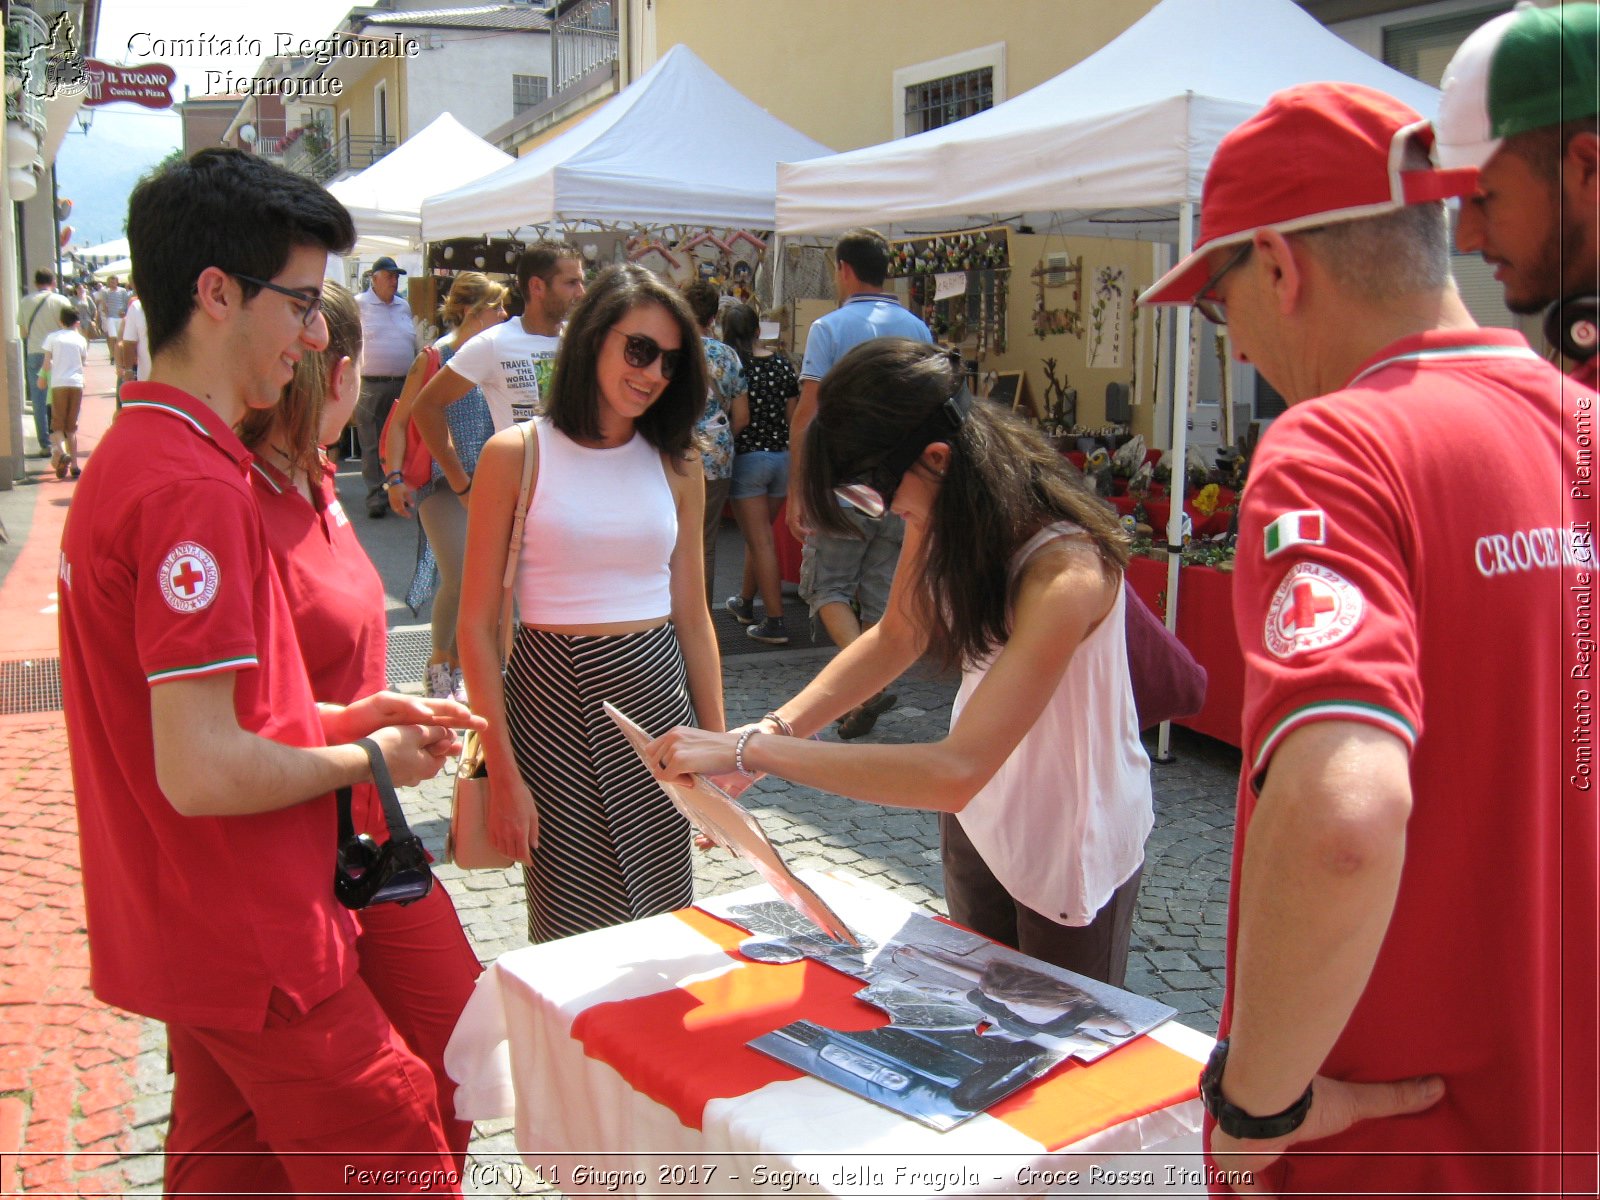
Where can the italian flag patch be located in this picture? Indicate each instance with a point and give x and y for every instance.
(1307, 527)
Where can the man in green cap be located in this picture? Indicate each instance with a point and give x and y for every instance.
(1519, 103)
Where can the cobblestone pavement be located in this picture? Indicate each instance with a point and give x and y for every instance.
(89, 1083)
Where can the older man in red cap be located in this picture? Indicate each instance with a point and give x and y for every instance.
(1414, 884)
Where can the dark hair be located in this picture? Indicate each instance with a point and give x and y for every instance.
(573, 405)
(69, 318)
(866, 252)
(539, 261)
(42, 277)
(740, 325)
(1003, 485)
(1544, 148)
(227, 209)
(702, 299)
(298, 415)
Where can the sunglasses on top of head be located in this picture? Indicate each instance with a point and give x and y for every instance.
(640, 351)
(872, 489)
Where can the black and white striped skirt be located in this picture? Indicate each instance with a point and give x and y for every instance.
(612, 848)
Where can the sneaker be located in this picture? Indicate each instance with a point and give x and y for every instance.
(743, 609)
(858, 722)
(770, 631)
(458, 686)
(439, 681)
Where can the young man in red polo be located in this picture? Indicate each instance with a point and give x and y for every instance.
(204, 769)
(1411, 948)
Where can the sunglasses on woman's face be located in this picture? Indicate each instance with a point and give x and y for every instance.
(640, 351)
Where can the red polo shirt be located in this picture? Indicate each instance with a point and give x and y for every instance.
(165, 575)
(336, 597)
(1410, 558)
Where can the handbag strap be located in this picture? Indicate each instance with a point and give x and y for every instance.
(519, 518)
(393, 815)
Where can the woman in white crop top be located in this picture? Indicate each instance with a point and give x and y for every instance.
(1012, 571)
(611, 605)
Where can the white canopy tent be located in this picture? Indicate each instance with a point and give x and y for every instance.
(386, 199)
(678, 146)
(1116, 146)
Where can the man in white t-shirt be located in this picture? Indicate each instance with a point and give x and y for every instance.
(512, 362)
(65, 352)
(134, 363)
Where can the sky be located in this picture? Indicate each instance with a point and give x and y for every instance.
(97, 170)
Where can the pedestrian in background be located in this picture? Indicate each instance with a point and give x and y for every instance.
(714, 429)
(760, 470)
(1389, 799)
(112, 303)
(1012, 572)
(611, 605)
(415, 959)
(845, 573)
(391, 340)
(473, 306)
(65, 355)
(39, 316)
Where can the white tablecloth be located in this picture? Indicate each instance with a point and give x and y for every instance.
(587, 1129)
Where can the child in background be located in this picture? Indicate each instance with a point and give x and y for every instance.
(65, 351)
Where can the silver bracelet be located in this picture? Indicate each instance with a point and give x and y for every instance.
(783, 726)
(738, 752)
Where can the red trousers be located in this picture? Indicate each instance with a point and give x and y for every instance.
(344, 1099)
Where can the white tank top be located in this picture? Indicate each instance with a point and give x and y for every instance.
(597, 545)
(1063, 822)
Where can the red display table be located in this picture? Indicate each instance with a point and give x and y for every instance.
(1205, 626)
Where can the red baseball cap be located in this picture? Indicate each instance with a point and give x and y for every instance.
(1316, 154)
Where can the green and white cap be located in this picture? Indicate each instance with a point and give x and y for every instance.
(1524, 70)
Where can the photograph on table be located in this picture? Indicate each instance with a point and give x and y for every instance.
(970, 1021)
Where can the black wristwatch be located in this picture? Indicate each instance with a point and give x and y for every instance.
(1233, 1120)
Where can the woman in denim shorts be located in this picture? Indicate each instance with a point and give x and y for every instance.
(760, 470)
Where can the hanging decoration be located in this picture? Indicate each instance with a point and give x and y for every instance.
(1106, 319)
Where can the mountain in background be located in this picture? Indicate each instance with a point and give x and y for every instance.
(97, 171)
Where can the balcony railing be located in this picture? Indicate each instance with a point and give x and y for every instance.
(583, 36)
(353, 153)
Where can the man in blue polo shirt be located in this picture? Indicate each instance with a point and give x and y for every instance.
(838, 573)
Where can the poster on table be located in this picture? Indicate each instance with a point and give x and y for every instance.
(970, 1021)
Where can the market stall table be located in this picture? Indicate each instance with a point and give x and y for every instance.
(621, 1053)
(1205, 626)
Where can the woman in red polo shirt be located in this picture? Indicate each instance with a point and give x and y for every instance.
(415, 959)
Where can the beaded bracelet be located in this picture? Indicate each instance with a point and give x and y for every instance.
(738, 752)
(783, 726)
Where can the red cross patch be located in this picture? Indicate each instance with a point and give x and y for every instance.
(189, 577)
(1313, 608)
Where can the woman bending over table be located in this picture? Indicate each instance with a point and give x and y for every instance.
(611, 602)
(1012, 572)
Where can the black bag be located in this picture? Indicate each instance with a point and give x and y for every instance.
(1167, 682)
(366, 873)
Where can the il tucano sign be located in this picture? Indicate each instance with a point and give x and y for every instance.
(149, 84)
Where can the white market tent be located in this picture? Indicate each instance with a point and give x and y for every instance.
(678, 146)
(1116, 146)
(1111, 147)
(386, 199)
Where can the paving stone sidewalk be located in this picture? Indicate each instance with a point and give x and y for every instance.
(93, 1080)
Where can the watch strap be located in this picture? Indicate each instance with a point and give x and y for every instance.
(1235, 1121)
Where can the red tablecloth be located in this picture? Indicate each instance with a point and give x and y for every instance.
(1205, 626)
(788, 549)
